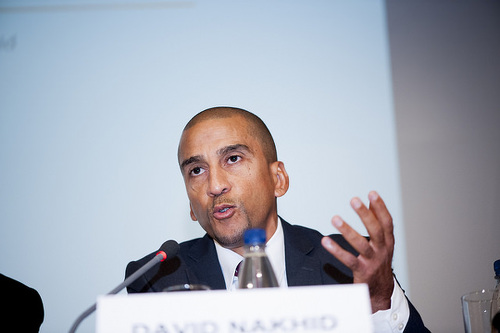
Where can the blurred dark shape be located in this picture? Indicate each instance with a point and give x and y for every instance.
(496, 322)
(21, 307)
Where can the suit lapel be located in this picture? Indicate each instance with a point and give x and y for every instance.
(202, 258)
(302, 268)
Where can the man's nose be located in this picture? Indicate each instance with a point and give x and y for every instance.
(217, 182)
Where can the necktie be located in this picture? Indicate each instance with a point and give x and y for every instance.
(234, 284)
(237, 270)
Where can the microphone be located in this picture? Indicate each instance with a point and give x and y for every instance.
(167, 250)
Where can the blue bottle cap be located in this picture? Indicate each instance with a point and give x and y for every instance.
(496, 267)
(255, 236)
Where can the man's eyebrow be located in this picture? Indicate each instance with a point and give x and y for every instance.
(220, 152)
(231, 148)
(191, 160)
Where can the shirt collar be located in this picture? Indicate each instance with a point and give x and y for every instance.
(275, 250)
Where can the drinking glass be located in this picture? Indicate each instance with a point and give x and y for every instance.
(476, 308)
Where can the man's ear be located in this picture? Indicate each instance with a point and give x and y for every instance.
(281, 181)
(193, 217)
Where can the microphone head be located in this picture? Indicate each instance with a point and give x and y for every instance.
(169, 249)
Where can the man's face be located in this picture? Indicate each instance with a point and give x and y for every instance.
(230, 184)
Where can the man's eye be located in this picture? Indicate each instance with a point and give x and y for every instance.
(196, 171)
(233, 159)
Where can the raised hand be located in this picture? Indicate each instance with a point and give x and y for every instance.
(373, 265)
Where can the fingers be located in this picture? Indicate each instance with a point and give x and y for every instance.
(342, 255)
(378, 223)
(370, 221)
(358, 242)
(377, 219)
(380, 211)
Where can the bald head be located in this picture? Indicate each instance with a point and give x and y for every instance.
(255, 126)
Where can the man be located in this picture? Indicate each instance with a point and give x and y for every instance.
(233, 179)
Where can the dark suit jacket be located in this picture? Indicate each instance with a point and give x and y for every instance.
(307, 263)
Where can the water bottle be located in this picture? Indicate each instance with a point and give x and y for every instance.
(257, 271)
(495, 302)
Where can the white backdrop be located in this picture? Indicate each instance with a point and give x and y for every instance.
(93, 98)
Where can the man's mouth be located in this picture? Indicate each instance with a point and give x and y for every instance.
(222, 212)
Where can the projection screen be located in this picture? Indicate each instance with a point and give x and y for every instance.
(94, 96)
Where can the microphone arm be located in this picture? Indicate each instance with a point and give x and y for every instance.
(159, 257)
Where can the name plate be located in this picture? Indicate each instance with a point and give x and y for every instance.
(315, 309)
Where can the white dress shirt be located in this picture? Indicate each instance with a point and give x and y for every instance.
(392, 320)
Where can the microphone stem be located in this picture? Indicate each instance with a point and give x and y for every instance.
(136, 274)
(122, 285)
(84, 315)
